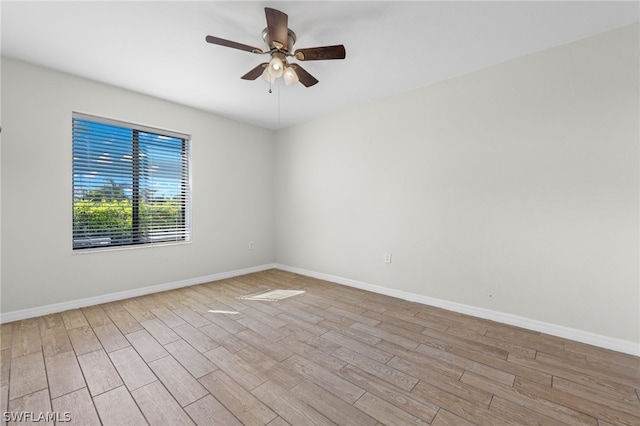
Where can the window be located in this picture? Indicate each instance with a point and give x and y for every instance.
(131, 184)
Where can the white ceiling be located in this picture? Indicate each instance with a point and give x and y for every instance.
(159, 48)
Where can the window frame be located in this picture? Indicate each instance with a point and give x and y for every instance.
(183, 233)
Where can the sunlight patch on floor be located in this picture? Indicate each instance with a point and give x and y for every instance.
(272, 295)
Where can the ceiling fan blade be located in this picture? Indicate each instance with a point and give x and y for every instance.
(256, 72)
(304, 77)
(277, 27)
(321, 53)
(228, 43)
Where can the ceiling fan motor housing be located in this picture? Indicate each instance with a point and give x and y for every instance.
(291, 40)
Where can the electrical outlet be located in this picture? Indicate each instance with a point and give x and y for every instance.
(252, 245)
(387, 258)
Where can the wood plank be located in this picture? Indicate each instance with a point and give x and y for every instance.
(278, 421)
(296, 312)
(169, 299)
(616, 382)
(96, 316)
(6, 336)
(508, 366)
(125, 322)
(334, 408)
(223, 338)
(170, 319)
(245, 374)
(492, 373)
(99, 372)
(446, 418)
(263, 329)
(148, 347)
(33, 408)
(270, 369)
(205, 409)
(385, 335)
(276, 351)
(506, 409)
(591, 408)
(414, 320)
(356, 317)
(28, 375)
(132, 369)
(196, 338)
(384, 390)
(495, 342)
(468, 410)
(55, 341)
(474, 345)
(193, 304)
(74, 319)
(312, 353)
(25, 338)
(184, 388)
(110, 337)
(244, 405)
(83, 340)
(529, 400)
(287, 406)
(357, 346)
(5, 365)
(4, 397)
(79, 406)
(225, 321)
(137, 310)
(159, 407)
(631, 405)
(385, 412)
(328, 380)
(192, 317)
(196, 363)
(414, 359)
(443, 382)
(271, 320)
(118, 408)
(64, 374)
(50, 321)
(382, 371)
(601, 356)
(160, 331)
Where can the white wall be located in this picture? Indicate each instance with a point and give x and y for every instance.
(513, 188)
(232, 167)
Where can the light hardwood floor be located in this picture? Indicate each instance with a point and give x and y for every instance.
(209, 355)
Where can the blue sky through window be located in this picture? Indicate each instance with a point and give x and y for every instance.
(103, 157)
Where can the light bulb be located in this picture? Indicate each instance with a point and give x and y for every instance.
(266, 76)
(290, 76)
(276, 67)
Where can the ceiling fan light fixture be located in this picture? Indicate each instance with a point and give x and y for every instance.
(266, 76)
(290, 76)
(280, 39)
(276, 67)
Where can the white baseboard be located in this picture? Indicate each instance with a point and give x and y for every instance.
(615, 344)
(105, 298)
(606, 342)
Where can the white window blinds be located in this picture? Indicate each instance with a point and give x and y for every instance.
(131, 184)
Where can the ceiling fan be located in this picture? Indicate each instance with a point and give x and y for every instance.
(280, 40)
